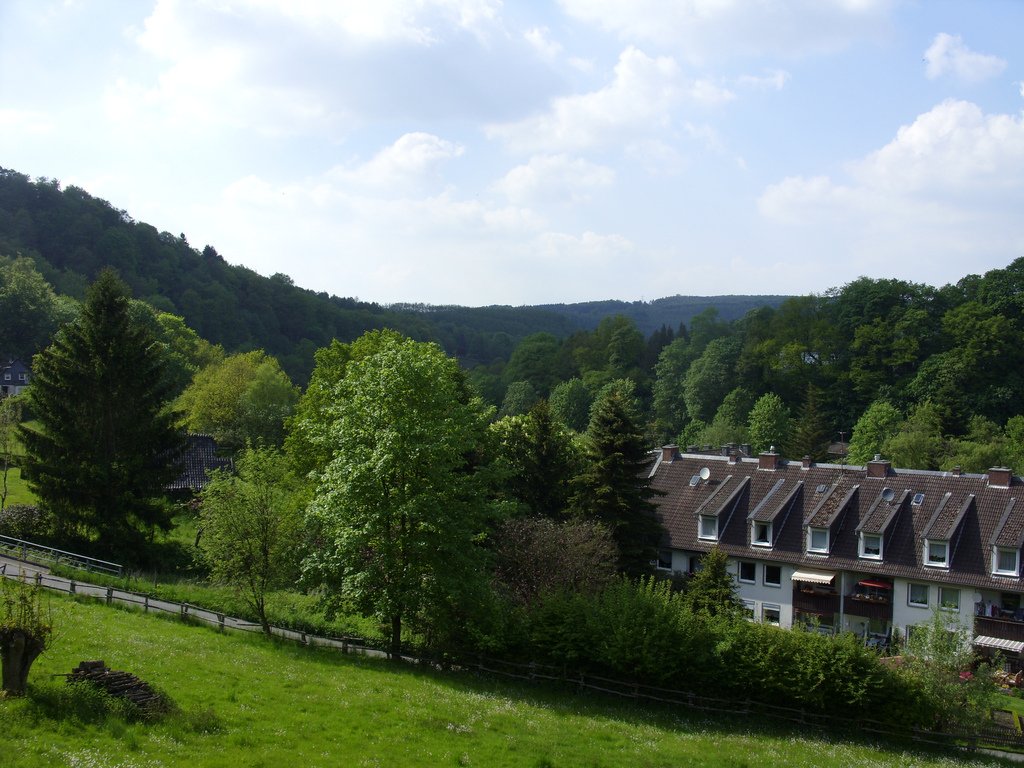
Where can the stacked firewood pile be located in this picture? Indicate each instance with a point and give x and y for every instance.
(120, 684)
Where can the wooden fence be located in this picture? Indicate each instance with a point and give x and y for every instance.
(532, 672)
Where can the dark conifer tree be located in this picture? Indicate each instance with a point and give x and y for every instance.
(107, 443)
(614, 488)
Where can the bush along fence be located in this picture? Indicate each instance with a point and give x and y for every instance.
(991, 735)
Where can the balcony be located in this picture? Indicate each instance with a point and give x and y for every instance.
(1004, 629)
(820, 603)
(868, 606)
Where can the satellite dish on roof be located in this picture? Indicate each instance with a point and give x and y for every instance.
(888, 494)
(705, 473)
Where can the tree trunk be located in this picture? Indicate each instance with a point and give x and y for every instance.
(396, 636)
(18, 650)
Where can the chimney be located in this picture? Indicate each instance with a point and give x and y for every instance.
(956, 471)
(805, 462)
(1000, 477)
(734, 457)
(768, 460)
(669, 453)
(878, 467)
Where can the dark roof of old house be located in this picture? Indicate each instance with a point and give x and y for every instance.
(972, 512)
(197, 461)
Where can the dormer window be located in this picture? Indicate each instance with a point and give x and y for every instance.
(936, 553)
(817, 540)
(870, 546)
(708, 527)
(1005, 561)
(761, 534)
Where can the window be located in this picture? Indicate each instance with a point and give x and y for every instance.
(773, 575)
(664, 559)
(748, 609)
(761, 534)
(708, 527)
(771, 614)
(949, 599)
(21, 377)
(694, 481)
(817, 540)
(936, 554)
(748, 572)
(7, 377)
(1005, 561)
(918, 499)
(871, 545)
(917, 595)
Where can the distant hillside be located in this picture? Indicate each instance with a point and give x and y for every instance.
(72, 235)
(649, 316)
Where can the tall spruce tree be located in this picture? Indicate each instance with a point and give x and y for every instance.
(107, 443)
(614, 489)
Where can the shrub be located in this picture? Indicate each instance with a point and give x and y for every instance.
(27, 522)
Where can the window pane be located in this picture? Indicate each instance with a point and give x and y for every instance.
(819, 539)
(773, 575)
(918, 594)
(748, 572)
(771, 614)
(937, 552)
(708, 527)
(949, 598)
(762, 533)
(1007, 560)
(872, 545)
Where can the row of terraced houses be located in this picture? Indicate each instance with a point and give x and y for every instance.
(871, 549)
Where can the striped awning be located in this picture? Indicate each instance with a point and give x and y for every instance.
(813, 577)
(1013, 646)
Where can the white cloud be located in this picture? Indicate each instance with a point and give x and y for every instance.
(948, 55)
(540, 39)
(708, 92)
(414, 158)
(406, 248)
(775, 80)
(25, 121)
(953, 150)
(946, 190)
(711, 28)
(554, 178)
(174, 24)
(638, 98)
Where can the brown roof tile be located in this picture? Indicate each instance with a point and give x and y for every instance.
(963, 509)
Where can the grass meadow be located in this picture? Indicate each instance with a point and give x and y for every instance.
(246, 700)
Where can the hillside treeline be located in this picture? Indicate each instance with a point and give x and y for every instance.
(931, 377)
(70, 236)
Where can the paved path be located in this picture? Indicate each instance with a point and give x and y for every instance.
(17, 569)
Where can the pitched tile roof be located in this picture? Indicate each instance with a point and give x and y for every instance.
(964, 509)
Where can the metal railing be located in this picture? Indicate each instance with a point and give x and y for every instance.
(40, 553)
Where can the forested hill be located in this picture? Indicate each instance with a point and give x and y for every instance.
(71, 236)
(649, 316)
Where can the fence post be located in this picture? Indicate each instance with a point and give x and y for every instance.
(71, 588)
(110, 595)
(220, 621)
(145, 603)
(39, 579)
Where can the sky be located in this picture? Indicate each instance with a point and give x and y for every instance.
(477, 152)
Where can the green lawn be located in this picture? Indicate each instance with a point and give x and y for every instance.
(248, 701)
(17, 489)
